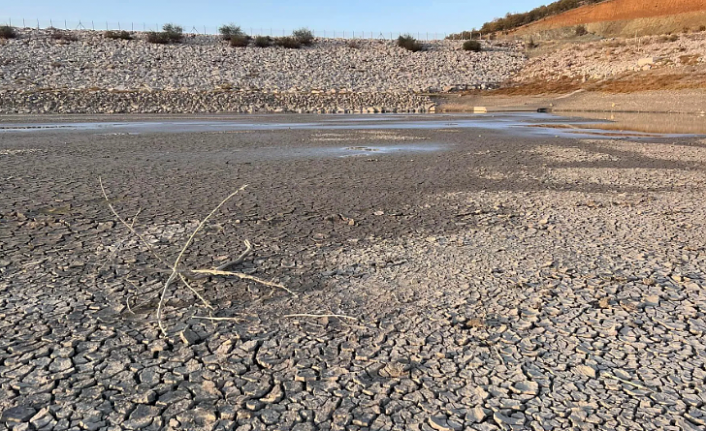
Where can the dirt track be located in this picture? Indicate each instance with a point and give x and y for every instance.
(499, 283)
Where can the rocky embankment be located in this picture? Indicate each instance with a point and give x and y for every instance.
(612, 57)
(40, 74)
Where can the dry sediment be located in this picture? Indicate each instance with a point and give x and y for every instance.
(504, 284)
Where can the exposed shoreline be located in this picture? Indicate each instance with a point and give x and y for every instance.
(191, 102)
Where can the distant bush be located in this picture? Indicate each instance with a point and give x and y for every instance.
(228, 31)
(581, 30)
(7, 32)
(122, 35)
(304, 36)
(170, 34)
(240, 41)
(472, 45)
(159, 38)
(263, 41)
(464, 35)
(288, 42)
(352, 44)
(702, 28)
(409, 43)
(532, 44)
(63, 35)
(174, 33)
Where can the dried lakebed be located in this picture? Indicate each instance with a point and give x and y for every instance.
(500, 282)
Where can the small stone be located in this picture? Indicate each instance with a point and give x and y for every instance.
(527, 388)
(476, 415)
(18, 414)
(502, 419)
(142, 416)
(585, 370)
(439, 423)
(652, 300)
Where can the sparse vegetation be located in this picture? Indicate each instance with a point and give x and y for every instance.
(472, 45)
(581, 30)
(63, 35)
(465, 35)
(352, 44)
(702, 28)
(532, 44)
(409, 43)
(229, 31)
(240, 41)
(263, 41)
(288, 42)
(512, 21)
(7, 32)
(122, 35)
(170, 34)
(304, 36)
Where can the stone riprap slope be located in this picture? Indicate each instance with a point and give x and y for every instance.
(608, 58)
(35, 64)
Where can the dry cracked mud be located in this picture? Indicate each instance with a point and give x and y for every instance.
(498, 283)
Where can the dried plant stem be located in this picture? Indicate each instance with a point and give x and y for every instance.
(243, 277)
(131, 228)
(219, 319)
(340, 316)
(175, 266)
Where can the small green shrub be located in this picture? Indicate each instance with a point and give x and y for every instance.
(288, 42)
(7, 32)
(241, 41)
(64, 35)
(174, 33)
(581, 30)
(409, 43)
(228, 31)
(122, 35)
(158, 38)
(170, 34)
(304, 36)
(472, 45)
(263, 41)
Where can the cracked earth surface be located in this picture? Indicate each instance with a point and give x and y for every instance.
(499, 283)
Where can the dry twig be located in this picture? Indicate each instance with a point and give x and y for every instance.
(340, 316)
(174, 268)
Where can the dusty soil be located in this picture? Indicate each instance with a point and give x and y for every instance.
(501, 283)
(623, 10)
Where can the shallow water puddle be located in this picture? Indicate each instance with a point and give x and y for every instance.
(523, 124)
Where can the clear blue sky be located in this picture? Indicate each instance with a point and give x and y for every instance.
(443, 16)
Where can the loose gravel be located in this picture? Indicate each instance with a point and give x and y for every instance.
(39, 74)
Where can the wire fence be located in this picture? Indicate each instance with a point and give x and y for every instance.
(63, 24)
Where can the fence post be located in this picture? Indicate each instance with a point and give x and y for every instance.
(51, 24)
(66, 27)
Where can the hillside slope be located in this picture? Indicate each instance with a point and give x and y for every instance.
(628, 17)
